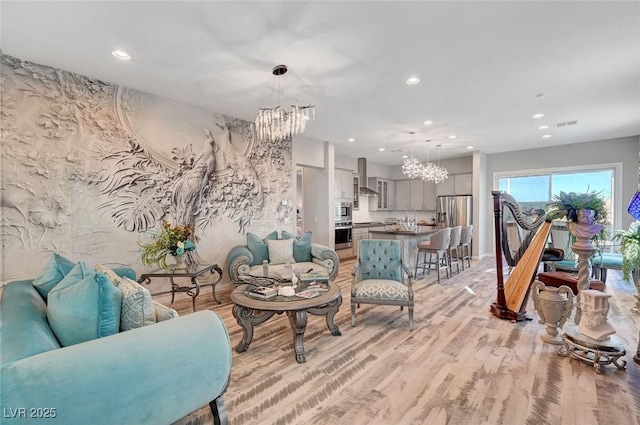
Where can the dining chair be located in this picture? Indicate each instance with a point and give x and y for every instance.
(465, 244)
(437, 245)
(379, 277)
(452, 252)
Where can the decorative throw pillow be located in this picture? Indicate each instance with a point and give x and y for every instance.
(137, 305)
(280, 251)
(301, 246)
(163, 312)
(54, 271)
(84, 306)
(258, 246)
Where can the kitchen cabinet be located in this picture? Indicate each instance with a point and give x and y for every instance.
(456, 184)
(415, 194)
(356, 192)
(430, 200)
(403, 194)
(358, 235)
(384, 187)
(343, 185)
(416, 198)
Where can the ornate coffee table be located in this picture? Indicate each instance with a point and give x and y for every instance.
(250, 312)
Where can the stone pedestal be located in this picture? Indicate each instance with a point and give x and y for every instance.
(595, 306)
(585, 249)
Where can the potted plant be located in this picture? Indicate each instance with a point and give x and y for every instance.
(630, 249)
(581, 208)
(170, 240)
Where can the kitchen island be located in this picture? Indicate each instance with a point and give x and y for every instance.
(409, 240)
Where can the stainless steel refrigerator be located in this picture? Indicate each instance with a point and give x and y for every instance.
(454, 211)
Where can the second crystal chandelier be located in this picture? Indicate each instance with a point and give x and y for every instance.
(428, 171)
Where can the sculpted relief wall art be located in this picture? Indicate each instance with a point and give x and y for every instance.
(88, 167)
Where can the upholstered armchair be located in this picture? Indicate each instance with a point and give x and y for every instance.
(378, 277)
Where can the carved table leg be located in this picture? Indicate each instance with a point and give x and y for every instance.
(332, 309)
(193, 294)
(247, 318)
(218, 270)
(298, 321)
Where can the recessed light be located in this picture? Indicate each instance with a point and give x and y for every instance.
(405, 156)
(537, 116)
(543, 127)
(351, 139)
(412, 80)
(541, 95)
(546, 136)
(121, 54)
(469, 147)
(428, 122)
(382, 149)
(453, 136)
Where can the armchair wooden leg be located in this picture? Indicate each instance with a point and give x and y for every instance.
(353, 313)
(410, 318)
(219, 412)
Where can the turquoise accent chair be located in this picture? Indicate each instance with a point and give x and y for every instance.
(378, 277)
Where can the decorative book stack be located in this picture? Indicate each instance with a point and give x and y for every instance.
(263, 292)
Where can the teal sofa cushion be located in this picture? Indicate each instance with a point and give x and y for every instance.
(301, 246)
(53, 272)
(258, 246)
(23, 323)
(84, 306)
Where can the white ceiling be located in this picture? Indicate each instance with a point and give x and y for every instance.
(481, 64)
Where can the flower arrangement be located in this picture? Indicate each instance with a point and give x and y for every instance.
(630, 249)
(567, 205)
(173, 240)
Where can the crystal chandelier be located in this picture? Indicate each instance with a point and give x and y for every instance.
(432, 172)
(411, 167)
(276, 124)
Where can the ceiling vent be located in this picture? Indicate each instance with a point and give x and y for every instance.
(565, 123)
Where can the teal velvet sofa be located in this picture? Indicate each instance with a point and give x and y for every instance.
(155, 374)
(302, 254)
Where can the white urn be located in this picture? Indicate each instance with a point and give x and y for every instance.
(554, 306)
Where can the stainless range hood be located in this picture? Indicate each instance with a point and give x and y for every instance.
(362, 172)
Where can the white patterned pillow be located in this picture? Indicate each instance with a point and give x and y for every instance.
(163, 312)
(137, 305)
(280, 251)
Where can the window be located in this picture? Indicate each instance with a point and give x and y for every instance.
(535, 189)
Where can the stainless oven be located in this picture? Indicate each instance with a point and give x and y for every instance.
(344, 234)
(343, 211)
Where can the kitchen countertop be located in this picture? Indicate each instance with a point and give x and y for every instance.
(368, 224)
(422, 231)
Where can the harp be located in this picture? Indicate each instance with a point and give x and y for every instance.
(521, 236)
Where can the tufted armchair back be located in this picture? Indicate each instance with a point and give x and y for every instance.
(380, 259)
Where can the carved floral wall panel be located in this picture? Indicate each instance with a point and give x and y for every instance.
(89, 168)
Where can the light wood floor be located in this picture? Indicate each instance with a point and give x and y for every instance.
(460, 365)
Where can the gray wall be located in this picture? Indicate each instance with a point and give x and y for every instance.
(624, 150)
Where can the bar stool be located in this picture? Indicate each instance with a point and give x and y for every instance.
(452, 251)
(465, 244)
(437, 244)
